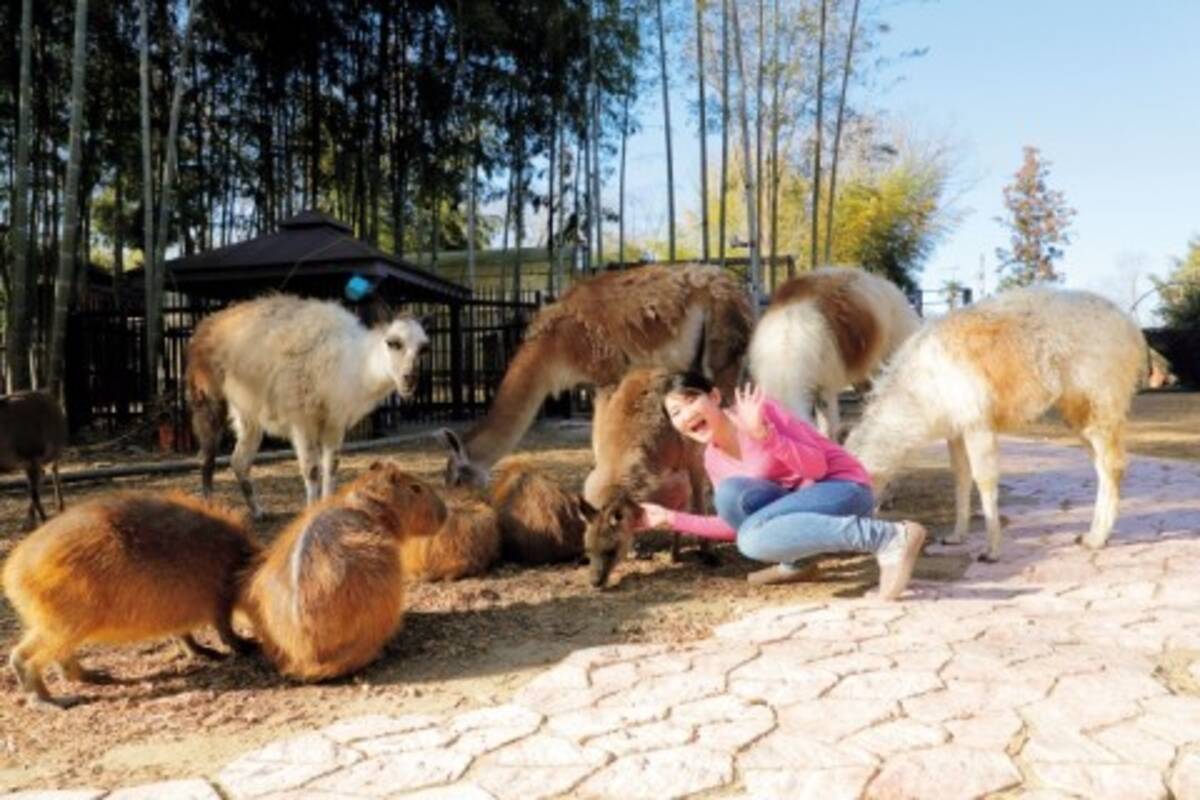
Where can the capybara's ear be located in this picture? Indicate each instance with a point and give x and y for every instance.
(376, 466)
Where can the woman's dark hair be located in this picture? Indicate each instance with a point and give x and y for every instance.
(688, 383)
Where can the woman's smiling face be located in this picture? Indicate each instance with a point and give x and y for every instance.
(694, 415)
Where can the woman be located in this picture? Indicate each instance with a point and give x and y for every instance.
(783, 491)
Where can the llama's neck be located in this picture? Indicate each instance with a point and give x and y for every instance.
(537, 370)
(375, 379)
(892, 427)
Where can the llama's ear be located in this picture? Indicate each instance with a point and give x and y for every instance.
(427, 322)
(450, 440)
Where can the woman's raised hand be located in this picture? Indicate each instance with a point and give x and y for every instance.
(747, 411)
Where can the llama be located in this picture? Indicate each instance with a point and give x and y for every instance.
(465, 546)
(823, 331)
(639, 457)
(296, 368)
(540, 522)
(124, 568)
(994, 367)
(33, 432)
(650, 316)
(329, 592)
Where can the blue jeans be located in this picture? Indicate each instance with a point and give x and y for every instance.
(786, 525)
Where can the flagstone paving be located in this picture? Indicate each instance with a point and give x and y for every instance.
(1041, 676)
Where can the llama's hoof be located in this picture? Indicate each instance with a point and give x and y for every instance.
(988, 558)
(708, 558)
(953, 538)
(1091, 541)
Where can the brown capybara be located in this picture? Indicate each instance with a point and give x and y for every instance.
(33, 432)
(329, 592)
(540, 522)
(465, 546)
(124, 568)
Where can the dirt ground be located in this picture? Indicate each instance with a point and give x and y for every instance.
(463, 644)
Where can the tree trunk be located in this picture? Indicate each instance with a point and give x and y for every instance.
(19, 316)
(775, 70)
(119, 239)
(64, 283)
(816, 176)
(703, 131)
(837, 130)
(471, 211)
(596, 196)
(666, 100)
(748, 164)
(621, 188)
(153, 301)
(758, 124)
(724, 126)
(550, 248)
(166, 201)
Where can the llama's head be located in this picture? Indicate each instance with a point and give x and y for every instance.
(460, 469)
(406, 342)
(609, 535)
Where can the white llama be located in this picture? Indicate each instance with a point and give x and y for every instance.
(823, 331)
(302, 369)
(995, 367)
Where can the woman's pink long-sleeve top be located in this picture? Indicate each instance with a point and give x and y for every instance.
(792, 454)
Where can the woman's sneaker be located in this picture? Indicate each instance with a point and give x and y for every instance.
(898, 557)
(779, 573)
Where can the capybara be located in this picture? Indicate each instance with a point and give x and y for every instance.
(540, 522)
(124, 568)
(329, 592)
(465, 546)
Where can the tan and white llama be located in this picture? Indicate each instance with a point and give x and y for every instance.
(995, 367)
(640, 457)
(652, 316)
(823, 331)
(296, 368)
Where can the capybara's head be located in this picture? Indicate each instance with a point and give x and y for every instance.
(460, 469)
(609, 535)
(411, 504)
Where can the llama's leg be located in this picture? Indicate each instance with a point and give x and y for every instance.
(985, 469)
(962, 490)
(1108, 454)
(57, 486)
(33, 475)
(828, 414)
(330, 445)
(308, 456)
(249, 439)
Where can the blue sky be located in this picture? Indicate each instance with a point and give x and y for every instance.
(1110, 93)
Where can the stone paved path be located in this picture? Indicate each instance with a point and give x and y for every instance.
(1041, 677)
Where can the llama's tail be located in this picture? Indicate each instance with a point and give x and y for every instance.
(207, 402)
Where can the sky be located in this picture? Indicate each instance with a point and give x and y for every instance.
(1109, 92)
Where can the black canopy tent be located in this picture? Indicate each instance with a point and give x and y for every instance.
(311, 254)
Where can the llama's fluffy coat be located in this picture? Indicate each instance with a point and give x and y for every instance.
(995, 367)
(823, 331)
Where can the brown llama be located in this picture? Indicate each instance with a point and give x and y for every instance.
(640, 457)
(33, 433)
(652, 316)
(329, 592)
(124, 568)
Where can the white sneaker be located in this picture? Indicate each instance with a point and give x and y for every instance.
(898, 557)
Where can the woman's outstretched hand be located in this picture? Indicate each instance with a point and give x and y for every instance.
(652, 517)
(747, 411)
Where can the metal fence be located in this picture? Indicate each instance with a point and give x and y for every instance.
(106, 380)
